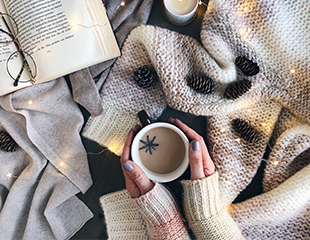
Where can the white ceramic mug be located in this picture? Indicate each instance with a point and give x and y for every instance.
(136, 150)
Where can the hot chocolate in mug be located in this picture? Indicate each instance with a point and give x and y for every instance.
(160, 149)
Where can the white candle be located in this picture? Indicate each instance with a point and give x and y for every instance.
(180, 11)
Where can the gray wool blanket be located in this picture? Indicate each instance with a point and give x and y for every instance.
(40, 180)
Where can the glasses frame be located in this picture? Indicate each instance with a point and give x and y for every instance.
(25, 64)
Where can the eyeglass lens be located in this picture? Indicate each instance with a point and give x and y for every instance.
(20, 65)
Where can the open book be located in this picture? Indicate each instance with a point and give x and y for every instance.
(57, 36)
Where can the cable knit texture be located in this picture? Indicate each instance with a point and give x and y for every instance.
(274, 38)
(122, 218)
(204, 211)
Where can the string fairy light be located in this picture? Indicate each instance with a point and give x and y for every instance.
(122, 4)
(229, 182)
(72, 24)
(268, 161)
(8, 118)
(98, 153)
(223, 130)
(202, 2)
(238, 140)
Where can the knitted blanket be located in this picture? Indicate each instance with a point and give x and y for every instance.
(39, 181)
(251, 78)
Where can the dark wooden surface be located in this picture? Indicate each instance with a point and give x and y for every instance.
(104, 165)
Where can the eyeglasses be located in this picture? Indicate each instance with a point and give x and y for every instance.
(20, 65)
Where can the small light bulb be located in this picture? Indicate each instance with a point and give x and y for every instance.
(275, 163)
(71, 25)
(200, 2)
(35, 49)
(238, 140)
(123, 3)
(229, 182)
(228, 208)
(264, 124)
(62, 163)
(293, 71)
(110, 148)
(30, 102)
(9, 175)
(223, 130)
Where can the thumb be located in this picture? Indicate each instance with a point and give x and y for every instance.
(138, 176)
(195, 161)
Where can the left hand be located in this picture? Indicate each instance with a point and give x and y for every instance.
(201, 164)
(137, 183)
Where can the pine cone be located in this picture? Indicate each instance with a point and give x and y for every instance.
(245, 130)
(145, 76)
(7, 143)
(201, 84)
(237, 89)
(247, 67)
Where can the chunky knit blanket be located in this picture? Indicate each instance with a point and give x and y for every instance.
(253, 84)
(39, 181)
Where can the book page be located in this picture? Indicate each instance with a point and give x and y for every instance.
(59, 35)
(6, 50)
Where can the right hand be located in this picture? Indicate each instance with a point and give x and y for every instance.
(137, 183)
(201, 164)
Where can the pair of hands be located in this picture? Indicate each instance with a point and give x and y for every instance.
(201, 165)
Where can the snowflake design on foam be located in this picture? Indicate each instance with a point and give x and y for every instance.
(149, 144)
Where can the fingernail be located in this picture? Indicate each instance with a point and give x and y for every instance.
(171, 118)
(128, 166)
(196, 146)
(178, 120)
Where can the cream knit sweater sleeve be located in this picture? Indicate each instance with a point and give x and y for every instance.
(162, 215)
(122, 218)
(206, 216)
(154, 215)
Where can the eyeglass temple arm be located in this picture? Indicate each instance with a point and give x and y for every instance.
(25, 63)
(7, 26)
(8, 33)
